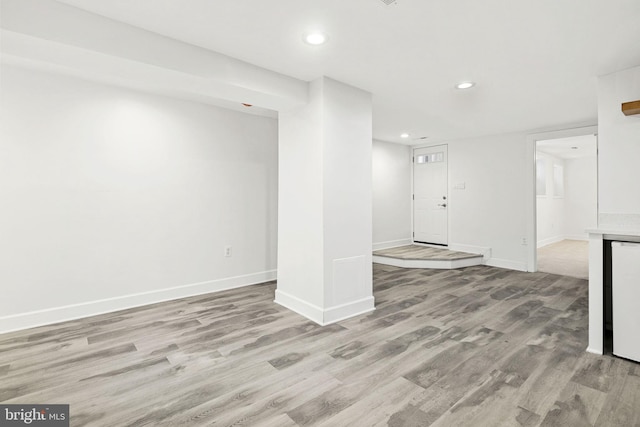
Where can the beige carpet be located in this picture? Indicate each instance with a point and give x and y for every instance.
(567, 258)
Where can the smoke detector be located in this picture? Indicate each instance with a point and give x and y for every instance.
(389, 2)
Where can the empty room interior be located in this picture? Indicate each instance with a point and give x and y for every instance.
(336, 213)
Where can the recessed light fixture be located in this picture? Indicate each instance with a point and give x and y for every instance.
(316, 38)
(404, 135)
(574, 148)
(465, 85)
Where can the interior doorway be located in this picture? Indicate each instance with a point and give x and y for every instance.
(566, 203)
(531, 237)
(430, 197)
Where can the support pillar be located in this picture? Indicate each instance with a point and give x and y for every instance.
(325, 204)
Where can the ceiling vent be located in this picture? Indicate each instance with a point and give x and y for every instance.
(389, 2)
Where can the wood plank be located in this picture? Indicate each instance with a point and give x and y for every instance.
(475, 346)
(577, 405)
(631, 108)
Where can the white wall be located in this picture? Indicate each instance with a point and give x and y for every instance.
(391, 194)
(568, 216)
(300, 202)
(581, 196)
(490, 211)
(111, 198)
(325, 216)
(347, 192)
(618, 177)
(550, 208)
(619, 146)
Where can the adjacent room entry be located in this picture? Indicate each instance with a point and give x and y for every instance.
(430, 197)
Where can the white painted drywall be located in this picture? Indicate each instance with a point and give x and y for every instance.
(618, 144)
(490, 211)
(325, 204)
(347, 193)
(108, 192)
(391, 194)
(581, 197)
(568, 216)
(52, 35)
(618, 177)
(300, 236)
(550, 207)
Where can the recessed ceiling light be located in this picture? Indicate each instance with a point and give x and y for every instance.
(574, 148)
(316, 38)
(465, 85)
(404, 135)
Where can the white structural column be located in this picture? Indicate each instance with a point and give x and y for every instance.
(324, 205)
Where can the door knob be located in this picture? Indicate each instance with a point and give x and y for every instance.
(444, 205)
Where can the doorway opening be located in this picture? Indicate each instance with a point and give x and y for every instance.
(566, 203)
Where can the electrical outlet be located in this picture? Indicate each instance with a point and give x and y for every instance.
(227, 251)
(524, 241)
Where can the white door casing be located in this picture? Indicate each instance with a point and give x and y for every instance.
(430, 197)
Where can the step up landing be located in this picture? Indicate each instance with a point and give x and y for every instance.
(414, 256)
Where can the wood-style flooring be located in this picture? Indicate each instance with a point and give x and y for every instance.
(424, 253)
(479, 346)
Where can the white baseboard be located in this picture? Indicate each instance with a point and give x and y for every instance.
(303, 308)
(346, 311)
(583, 237)
(594, 351)
(391, 244)
(445, 264)
(552, 240)
(49, 316)
(480, 250)
(549, 241)
(324, 316)
(506, 263)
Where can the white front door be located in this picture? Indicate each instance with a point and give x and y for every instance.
(430, 198)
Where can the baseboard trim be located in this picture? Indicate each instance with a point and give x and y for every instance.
(425, 263)
(549, 241)
(480, 250)
(53, 315)
(346, 311)
(506, 263)
(324, 316)
(594, 351)
(303, 308)
(391, 244)
(581, 237)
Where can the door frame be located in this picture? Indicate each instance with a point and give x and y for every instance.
(531, 198)
(413, 149)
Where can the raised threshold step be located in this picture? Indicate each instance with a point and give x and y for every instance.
(415, 256)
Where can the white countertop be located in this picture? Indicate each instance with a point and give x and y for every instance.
(617, 224)
(617, 231)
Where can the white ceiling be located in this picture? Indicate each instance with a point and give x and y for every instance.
(535, 62)
(570, 148)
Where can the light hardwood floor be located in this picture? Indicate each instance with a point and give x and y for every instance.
(423, 253)
(479, 346)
